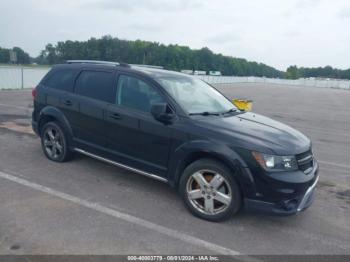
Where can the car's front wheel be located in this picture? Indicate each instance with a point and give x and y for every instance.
(54, 142)
(209, 190)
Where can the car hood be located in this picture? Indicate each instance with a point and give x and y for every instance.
(256, 132)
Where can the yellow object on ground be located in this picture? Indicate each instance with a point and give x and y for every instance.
(241, 104)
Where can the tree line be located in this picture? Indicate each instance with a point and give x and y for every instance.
(22, 57)
(173, 57)
(293, 72)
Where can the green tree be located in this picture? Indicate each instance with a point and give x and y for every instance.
(292, 72)
(22, 57)
(172, 57)
(4, 55)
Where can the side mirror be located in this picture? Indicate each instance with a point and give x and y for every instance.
(159, 112)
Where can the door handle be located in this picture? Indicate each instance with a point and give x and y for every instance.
(67, 102)
(115, 116)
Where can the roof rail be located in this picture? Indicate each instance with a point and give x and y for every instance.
(149, 66)
(96, 62)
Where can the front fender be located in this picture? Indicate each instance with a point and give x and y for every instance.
(184, 153)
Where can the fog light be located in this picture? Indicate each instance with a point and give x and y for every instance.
(288, 162)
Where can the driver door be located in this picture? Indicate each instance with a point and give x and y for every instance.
(134, 137)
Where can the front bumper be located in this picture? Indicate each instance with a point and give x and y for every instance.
(308, 198)
(284, 204)
(284, 207)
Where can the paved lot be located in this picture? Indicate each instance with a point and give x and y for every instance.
(88, 207)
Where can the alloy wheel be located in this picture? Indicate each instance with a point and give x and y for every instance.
(208, 192)
(53, 143)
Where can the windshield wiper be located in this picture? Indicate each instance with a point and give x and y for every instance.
(204, 114)
(231, 111)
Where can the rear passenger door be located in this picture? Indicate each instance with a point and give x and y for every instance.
(93, 90)
(58, 91)
(134, 136)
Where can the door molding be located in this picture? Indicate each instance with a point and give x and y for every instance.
(121, 165)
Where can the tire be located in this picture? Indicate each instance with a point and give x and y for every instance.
(54, 142)
(209, 190)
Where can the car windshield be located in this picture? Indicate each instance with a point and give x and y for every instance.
(195, 96)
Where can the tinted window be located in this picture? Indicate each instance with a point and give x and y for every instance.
(95, 84)
(62, 79)
(135, 93)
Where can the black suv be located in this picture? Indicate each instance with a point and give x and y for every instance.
(176, 129)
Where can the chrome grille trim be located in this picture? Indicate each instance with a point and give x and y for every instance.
(309, 170)
(305, 159)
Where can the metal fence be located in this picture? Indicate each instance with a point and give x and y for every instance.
(331, 83)
(13, 77)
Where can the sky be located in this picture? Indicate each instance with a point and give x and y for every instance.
(279, 33)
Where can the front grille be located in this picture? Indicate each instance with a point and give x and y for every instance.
(305, 161)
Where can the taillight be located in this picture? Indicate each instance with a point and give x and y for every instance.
(34, 93)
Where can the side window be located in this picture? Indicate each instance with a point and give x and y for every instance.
(62, 79)
(136, 94)
(95, 84)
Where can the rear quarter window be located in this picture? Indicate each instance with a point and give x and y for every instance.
(62, 79)
(95, 84)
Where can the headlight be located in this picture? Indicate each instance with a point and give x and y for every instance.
(276, 163)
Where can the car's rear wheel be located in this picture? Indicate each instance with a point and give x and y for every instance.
(209, 190)
(54, 142)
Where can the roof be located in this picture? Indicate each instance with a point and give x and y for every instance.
(152, 71)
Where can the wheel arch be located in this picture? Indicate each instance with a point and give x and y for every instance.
(49, 114)
(203, 149)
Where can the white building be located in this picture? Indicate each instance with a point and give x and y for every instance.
(197, 72)
(215, 73)
(188, 72)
